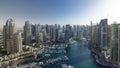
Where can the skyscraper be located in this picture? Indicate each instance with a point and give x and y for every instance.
(103, 34)
(8, 31)
(68, 32)
(1, 38)
(78, 32)
(33, 29)
(27, 33)
(94, 35)
(39, 38)
(56, 33)
(115, 42)
(18, 42)
(74, 31)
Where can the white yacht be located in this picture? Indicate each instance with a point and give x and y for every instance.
(66, 66)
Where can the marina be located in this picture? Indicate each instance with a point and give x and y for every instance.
(77, 56)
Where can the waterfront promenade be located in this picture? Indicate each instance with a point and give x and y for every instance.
(14, 59)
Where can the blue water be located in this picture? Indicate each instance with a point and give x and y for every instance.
(81, 57)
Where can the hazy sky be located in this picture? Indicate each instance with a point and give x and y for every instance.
(59, 11)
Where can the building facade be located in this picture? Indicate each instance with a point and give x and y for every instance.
(8, 31)
(27, 33)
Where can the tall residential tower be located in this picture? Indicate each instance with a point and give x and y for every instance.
(27, 33)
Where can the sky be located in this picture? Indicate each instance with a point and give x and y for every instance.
(74, 12)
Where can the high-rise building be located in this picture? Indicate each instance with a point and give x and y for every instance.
(56, 32)
(37, 29)
(8, 31)
(51, 32)
(1, 39)
(27, 33)
(59, 34)
(78, 32)
(118, 45)
(33, 29)
(18, 41)
(39, 38)
(46, 27)
(63, 29)
(14, 44)
(103, 34)
(44, 35)
(94, 35)
(74, 31)
(68, 32)
(115, 42)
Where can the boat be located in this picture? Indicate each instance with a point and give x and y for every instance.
(47, 55)
(66, 66)
(69, 66)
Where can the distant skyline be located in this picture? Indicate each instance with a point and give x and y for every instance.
(79, 12)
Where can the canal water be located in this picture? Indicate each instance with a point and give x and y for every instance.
(79, 57)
